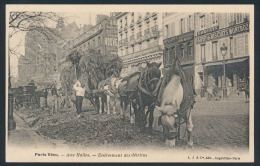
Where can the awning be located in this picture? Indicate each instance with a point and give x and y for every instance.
(227, 61)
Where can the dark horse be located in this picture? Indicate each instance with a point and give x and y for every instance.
(142, 89)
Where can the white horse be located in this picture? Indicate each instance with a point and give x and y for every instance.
(109, 90)
(172, 98)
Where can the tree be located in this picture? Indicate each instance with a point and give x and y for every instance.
(21, 22)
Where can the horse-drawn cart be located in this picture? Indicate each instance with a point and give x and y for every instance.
(26, 96)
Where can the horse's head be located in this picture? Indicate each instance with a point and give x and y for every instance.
(152, 75)
(170, 122)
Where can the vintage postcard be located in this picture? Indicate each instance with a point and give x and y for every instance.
(130, 83)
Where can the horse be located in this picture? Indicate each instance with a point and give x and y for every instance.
(141, 89)
(108, 90)
(176, 100)
(126, 90)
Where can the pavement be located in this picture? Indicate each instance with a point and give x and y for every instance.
(23, 135)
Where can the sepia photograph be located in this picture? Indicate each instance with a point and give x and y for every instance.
(130, 83)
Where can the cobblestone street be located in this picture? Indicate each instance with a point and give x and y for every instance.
(221, 124)
(217, 125)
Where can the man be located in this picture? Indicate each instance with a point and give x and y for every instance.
(54, 93)
(80, 93)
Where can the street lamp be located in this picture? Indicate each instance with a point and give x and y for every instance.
(223, 50)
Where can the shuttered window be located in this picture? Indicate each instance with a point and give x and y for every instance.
(203, 50)
(246, 45)
(215, 51)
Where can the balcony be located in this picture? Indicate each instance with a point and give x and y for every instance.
(145, 52)
(147, 16)
(154, 14)
(147, 31)
(132, 24)
(139, 20)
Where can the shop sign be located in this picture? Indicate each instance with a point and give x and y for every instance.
(240, 28)
(212, 29)
(181, 38)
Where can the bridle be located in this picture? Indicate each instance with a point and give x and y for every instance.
(145, 89)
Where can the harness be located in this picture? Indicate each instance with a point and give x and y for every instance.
(145, 89)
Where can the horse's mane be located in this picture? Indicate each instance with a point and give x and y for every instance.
(126, 78)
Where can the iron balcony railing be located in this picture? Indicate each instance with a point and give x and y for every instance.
(145, 52)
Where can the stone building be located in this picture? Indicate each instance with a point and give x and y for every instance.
(43, 52)
(211, 32)
(102, 37)
(140, 39)
(178, 35)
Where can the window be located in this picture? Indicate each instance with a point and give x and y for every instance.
(202, 22)
(133, 49)
(125, 21)
(99, 40)
(231, 47)
(99, 51)
(126, 50)
(182, 26)
(202, 50)
(88, 45)
(190, 51)
(189, 23)
(214, 51)
(167, 31)
(171, 55)
(214, 19)
(94, 42)
(231, 18)
(121, 25)
(182, 54)
(239, 18)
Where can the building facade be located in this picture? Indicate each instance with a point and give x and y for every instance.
(101, 37)
(43, 52)
(139, 39)
(178, 35)
(212, 31)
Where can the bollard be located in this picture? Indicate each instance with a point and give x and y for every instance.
(11, 122)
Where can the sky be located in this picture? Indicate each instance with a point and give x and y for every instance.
(17, 41)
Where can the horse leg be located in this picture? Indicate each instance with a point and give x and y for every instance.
(189, 128)
(151, 118)
(114, 105)
(122, 106)
(132, 120)
(134, 114)
(108, 102)
(100, 105)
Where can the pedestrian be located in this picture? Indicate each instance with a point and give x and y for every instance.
(55, 104)
(43, 99)
(80, 93)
